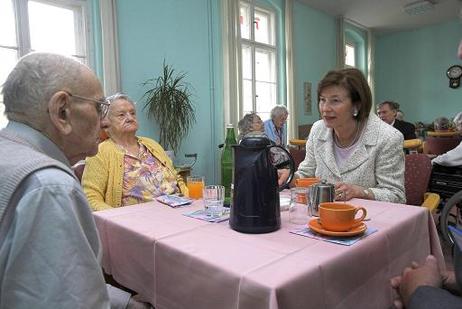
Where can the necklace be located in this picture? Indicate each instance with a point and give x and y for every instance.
(355, 139)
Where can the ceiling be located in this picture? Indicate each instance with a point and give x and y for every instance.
(384, 16)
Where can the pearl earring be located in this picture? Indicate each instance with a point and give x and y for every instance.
(355, 112)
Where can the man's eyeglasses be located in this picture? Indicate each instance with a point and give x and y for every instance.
(102, 105)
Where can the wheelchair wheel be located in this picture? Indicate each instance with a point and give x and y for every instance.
(451, 215)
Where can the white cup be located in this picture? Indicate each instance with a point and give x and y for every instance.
(213, 197)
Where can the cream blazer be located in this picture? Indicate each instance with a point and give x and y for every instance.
(376, 163)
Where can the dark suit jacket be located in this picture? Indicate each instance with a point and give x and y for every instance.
(407, 128)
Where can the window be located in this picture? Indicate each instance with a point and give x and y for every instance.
(350, 55)
(259, 71)
(57, 26)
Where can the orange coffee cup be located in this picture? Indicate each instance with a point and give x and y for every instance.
(306, 182)
(340, 217)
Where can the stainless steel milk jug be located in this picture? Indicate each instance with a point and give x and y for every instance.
(320, 193)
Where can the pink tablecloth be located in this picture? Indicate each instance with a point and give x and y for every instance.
(179, 262)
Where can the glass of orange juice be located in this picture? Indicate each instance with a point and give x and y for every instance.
(195, 185)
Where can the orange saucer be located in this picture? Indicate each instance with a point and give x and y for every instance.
(317, 227)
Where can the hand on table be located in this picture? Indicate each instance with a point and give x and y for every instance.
(346, 191)
(414, 276)
(283, 174)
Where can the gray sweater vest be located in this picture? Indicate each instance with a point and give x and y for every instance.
(19, 159)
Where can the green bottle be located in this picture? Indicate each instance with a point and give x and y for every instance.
(227, 163)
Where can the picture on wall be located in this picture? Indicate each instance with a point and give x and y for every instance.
(307, 97)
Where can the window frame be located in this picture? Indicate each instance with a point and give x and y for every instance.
(82, 29)
(255, 46)
(354, 46)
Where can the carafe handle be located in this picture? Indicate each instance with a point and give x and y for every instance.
(291, 163)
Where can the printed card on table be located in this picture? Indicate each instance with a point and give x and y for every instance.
(174, 200)
(202, 215)
(346, 241)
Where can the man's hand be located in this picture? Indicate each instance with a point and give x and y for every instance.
(415, 276)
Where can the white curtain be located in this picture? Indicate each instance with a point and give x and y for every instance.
(111, 72)
(232, 100)
(292, 123)
(371, 64)
(340, 42)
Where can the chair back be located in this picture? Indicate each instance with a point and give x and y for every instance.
(298, 154)
(439, 145)
(417, 172)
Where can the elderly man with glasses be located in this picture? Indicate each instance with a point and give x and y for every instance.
(49, 245)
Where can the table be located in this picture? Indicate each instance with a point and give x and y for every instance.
(179, 262)
(443, 133)
(300, 143)
(412, 144)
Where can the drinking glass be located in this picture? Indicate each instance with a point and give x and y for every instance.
(195, 185)
(298, 208)
(214, 196)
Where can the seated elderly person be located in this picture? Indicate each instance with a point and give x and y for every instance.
(388, 112)
(351, 147)
(441, 124)
(275, 127)
(251, 123)
(128, 169)
(452, 157)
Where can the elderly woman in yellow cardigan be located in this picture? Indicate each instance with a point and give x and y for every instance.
(128, 169)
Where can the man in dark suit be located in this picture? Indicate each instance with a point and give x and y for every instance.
(387, 112)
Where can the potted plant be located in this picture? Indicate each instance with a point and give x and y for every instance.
(169, 102)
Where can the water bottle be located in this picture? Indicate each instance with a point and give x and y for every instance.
(227, 163)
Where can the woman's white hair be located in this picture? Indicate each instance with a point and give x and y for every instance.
(279, 110)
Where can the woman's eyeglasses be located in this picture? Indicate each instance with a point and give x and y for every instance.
(102, 105)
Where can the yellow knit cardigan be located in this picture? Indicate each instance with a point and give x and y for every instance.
(102, 178)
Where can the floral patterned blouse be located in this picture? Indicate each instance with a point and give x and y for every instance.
(145, 178)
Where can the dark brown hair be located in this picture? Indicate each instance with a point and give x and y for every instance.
(355, 83)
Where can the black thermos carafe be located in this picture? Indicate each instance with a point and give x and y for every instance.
(255, 207)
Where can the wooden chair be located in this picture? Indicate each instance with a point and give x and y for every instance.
(418, 169)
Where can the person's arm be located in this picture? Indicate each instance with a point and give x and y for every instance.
(389, 169)
(51, 260)
(95, 182)
(451, 158)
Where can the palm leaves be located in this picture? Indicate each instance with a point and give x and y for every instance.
(169, 102)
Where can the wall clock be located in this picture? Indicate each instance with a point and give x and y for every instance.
(454, 73)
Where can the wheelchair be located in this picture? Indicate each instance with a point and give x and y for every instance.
(447, 182)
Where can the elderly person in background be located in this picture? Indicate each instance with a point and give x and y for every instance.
(441, 124)
(351, 147)
(251, 123)
(452, 157)
(388, 112)
(128, 169)
(275, 127)
(50, 250)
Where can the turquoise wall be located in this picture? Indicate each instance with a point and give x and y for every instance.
(314, 44)
(411, 70)
(184, 34)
